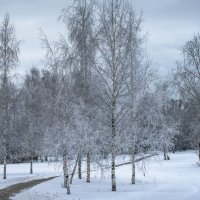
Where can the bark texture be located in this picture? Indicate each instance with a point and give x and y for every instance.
(66, 173)
(5, 124)
(199, 150)
(31, 165)
(113, 176)
(133, 166)
(88, 168)
(79, 167)
(74, 170)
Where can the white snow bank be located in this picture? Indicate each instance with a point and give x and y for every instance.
(176, 179)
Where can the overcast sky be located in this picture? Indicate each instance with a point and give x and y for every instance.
(169, 23)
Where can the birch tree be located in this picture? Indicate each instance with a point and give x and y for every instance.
(9, 50)
(112, 68)
(141, 75)
(59, 59)
(79, 20)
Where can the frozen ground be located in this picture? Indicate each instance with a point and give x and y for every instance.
(177, 179)
(17, 173)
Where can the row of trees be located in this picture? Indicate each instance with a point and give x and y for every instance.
(92, 99)
(187, 79)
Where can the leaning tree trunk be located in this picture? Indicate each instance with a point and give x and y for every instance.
(5, 124)
(73, 172)
(133, 165)
(79, 167)
(66, 173)
(88, 168)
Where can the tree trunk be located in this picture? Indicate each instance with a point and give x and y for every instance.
(73, 172)
(133, 166)
(4, 163)
(31, 165)
(79, 167)
(113, 177)
(46, 159)
(165, 155)
(5, 124)
(199, 150)
(113, 169)
(66, 173)
(67, 177)
(88, 168)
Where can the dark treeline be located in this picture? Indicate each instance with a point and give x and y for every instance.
(97, 94)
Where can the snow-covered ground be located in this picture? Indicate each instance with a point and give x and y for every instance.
(177, 179)
(17, 173)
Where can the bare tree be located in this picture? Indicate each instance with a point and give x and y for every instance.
(59, 60)
(141, 75)
(187, 75)
(33, 98)
(113, 43)
(9, 50)
(79, 19)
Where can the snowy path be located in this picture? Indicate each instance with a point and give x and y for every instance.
(18, 173)
(177, 179)
(7, 193)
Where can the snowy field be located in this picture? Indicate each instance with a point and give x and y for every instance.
(17, 173)
(176, 179)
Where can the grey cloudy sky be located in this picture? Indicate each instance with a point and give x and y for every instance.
(169, 23)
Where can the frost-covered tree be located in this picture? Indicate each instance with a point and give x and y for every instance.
(49, 86)
(141, 75)
(9, 50)
(79, 20)
(59, 60)
(165, 128)
(112, 68)
(187, 75)
(32, 89)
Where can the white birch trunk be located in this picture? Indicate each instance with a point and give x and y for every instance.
(66, 173)
(5, 124)
(9, 57)
(113, 169)
(113, 176)
(114, 71)
(67, 177)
